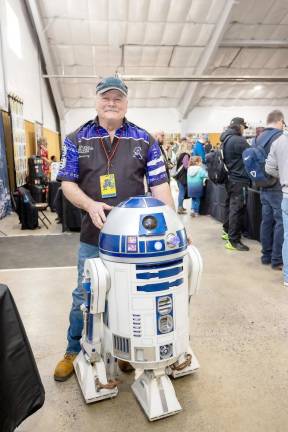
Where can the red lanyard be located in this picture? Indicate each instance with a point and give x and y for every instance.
(110, 156)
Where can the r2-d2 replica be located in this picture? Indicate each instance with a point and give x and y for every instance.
(137, 306)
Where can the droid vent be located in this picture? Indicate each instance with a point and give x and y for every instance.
(164, 305)
(121, 346)
(137, 331)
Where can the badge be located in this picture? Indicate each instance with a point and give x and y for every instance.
(108, 186)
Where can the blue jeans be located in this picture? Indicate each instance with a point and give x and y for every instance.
(271, 232)
(195, 204)
(285, 244)
(76, 317)
(181, 195)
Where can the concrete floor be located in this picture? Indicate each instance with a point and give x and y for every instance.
(239, 327)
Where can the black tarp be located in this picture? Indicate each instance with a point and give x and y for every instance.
(21, 389)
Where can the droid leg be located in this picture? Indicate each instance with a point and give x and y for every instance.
(156, 395)
(89, 366)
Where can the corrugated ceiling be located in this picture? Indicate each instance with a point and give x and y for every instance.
(170, 38)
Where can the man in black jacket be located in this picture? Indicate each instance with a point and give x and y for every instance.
(234, 144)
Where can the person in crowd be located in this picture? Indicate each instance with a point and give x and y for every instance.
(120, 152)
(196, 176)
(181, 178)
(160, 137)
(207, 147)
(271, 233)
(183, 145)
(198, 149)
(43, 153)
(277, 166)
(234, 144)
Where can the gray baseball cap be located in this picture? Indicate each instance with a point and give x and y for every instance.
(111, 83)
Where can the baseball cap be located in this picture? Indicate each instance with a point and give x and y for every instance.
(238, 121)
(111, 83)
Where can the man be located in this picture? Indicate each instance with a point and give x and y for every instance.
(271, 233)
(277, 166)
(110, 150)
(160, 137)
(234, 144)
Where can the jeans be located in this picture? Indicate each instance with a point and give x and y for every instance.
(182, 193)
(76, 317)
(195, 204)
(271, 233)
(235, 206)
(285, 244)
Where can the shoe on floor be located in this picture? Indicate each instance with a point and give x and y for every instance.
(125, 366)
(225, 236)
(181, 210)
(236, 246)
(192, 213)
(285, 284)
(64, 368)
(277, 267)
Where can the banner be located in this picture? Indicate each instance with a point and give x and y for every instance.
(5, 201)
(19, 143)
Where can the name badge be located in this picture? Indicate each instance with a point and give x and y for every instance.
(108, 186)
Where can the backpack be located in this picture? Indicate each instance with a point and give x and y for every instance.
(216, 168)
(254, 159)
(28, 212)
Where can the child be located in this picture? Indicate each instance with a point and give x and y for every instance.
(196, 176)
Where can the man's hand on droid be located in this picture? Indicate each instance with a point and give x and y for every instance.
(97, 214)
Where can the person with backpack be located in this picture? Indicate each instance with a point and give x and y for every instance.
(277, 166)
(271, 232)
(237, 182)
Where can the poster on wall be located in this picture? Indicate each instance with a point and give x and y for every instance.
(19, 142)
(38, 137)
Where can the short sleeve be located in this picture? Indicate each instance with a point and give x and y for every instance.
(155, 169)
(69, 168)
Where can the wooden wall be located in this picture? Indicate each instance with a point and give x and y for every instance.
(53, 140)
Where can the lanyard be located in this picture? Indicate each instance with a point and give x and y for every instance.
(110, 156)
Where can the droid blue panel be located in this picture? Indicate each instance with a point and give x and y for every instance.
(152, 224)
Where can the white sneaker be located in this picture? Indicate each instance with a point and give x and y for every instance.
(286, 284)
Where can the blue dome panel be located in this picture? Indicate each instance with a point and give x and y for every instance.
(141, 202)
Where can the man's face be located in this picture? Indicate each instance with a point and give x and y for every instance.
(280, 124)
(111, 105)
(160, 137)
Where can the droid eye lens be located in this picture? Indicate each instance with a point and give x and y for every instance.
(149, 222)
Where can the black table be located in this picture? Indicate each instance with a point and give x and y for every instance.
(213, 203)
(69, 215)
(53, 187)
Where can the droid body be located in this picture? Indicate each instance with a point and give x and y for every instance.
(137, 306)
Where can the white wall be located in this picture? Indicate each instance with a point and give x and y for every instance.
(21, 64)
(149, 119)
(206, 119)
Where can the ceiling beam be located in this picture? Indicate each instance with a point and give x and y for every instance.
(254, 43)
(195, 79)
(34, 14)
(189, 98)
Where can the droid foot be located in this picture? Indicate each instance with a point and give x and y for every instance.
(156, 395)
(93, 380)
(185, 365)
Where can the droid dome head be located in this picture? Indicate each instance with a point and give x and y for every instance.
(141, 229)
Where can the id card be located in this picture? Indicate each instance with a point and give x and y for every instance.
(108, 186)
